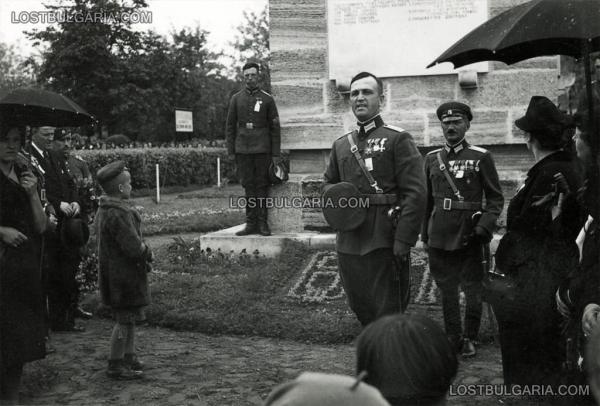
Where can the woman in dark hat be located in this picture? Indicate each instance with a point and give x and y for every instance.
(408, 358)
(537, 251)
(22, 221)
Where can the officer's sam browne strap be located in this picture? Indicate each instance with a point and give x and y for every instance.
(444, 169)
(361, 163)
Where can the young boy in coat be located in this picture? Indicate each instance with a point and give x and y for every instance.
(123, 265)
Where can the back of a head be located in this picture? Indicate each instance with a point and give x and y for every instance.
(318, 389)
(408, 358)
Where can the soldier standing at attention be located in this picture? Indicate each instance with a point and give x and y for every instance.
(460, 178)
(253, 137)
(374, 257)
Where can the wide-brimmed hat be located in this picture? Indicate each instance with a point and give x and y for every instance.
(74, 232)
(341, 207)
(541, 114)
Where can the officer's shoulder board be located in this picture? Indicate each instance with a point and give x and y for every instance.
(478, 149)
(79, 158)
(345, 135)
(435, 151)
(393, 127)
(262, 91)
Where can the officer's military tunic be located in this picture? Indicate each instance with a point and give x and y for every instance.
(61, 261)
(448, 226)
(365, 254)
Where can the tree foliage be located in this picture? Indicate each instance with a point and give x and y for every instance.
(133, 80)
(14, 71)
(252, 44)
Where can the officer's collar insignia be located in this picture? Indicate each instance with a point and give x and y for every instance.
(456, 148)
(371, 124)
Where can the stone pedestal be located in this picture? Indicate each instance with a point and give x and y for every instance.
(296, 205)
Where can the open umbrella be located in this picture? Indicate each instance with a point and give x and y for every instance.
(37, 107)
(536, 28)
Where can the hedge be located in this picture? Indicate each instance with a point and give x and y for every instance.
(178, 166)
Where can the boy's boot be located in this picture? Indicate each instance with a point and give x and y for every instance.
(118, 370)
(131, 361)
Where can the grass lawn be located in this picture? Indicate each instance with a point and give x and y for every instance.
(294, 296)
(247, 294)
(200, 210)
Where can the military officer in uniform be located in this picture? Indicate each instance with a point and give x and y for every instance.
(374, 258)
(81, 180)
(461, 181)
(78, 168)
(60, 262)
(253, 137)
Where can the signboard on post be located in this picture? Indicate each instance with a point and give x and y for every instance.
(392, 38)
(184, 121)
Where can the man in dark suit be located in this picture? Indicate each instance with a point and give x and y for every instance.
(60, 260)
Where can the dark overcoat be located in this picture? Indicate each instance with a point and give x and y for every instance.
(122, 273)
(538, 252)
(22, 324)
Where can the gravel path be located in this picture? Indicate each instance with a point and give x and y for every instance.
(184, 368)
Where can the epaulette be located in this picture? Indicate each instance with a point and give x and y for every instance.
(393, 127)
(345, 135)
(435, 151)
(478, 149)
(79, 158)
(266, 93)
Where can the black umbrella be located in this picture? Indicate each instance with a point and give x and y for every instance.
(536, 28)
(37, 107)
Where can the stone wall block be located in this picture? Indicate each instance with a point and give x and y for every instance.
(510, 88)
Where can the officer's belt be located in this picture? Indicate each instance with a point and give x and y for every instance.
(449, 204)
(254, 126)
(381, 199)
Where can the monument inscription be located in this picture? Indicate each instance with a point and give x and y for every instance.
(394, 38)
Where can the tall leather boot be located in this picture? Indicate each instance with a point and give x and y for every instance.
(263, 225)
(251, 222)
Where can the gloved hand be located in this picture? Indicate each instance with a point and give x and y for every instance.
(561, 184)
(401, 248)
(481, 235)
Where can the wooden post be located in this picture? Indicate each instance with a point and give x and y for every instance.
(157, 184)
(218, 172)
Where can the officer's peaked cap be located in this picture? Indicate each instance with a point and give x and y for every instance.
(452, 109)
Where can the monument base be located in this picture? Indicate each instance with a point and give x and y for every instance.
(296, 205)
(271, 246)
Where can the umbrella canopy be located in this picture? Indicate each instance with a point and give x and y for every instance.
(536, 28)
(37, 107)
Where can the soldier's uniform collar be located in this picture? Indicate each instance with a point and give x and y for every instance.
(369, 125)
(252, 91)
(456, 148)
